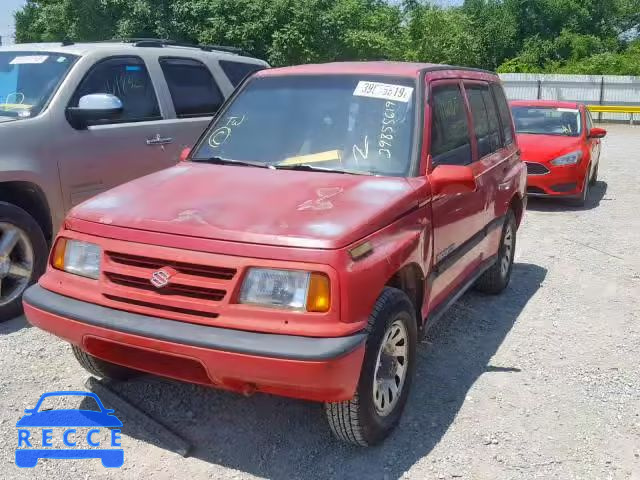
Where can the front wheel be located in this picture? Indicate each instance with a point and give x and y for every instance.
(386, 376)
(23, 255)
(581, 200)
(594, 177)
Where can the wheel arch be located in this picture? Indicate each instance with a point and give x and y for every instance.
(517, 205)
(410, 279)
(29, 197)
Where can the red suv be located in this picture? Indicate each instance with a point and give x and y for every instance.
(560, 146)
(328, 216)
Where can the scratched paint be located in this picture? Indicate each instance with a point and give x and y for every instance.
(323, 202)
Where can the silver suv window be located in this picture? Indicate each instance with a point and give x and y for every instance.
(29, 79)
(193, 89)
(128, 79)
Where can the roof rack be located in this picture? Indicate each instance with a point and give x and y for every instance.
(165, 42)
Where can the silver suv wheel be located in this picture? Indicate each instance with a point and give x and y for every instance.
(16, 262)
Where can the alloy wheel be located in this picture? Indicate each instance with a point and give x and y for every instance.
(16, 262)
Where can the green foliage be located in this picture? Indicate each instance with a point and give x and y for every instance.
(573, 36)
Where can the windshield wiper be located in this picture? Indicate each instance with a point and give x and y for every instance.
(229, 161)
(311, 168)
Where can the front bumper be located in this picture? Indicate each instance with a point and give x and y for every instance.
(322, 369)
(564, 181)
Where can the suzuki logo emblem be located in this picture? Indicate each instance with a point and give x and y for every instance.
(161, 278)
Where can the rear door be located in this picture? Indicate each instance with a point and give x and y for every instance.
(494, 161)
(458, 219)
(194, 97)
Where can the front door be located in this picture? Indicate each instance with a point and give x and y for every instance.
(595, 144)
(110, 153)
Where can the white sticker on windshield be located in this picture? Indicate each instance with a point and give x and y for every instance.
(570, 110)
(26, 59)
(383, 91)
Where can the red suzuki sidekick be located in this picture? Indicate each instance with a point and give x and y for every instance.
(328, 216)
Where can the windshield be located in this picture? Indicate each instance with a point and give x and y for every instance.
(28, 79)
(344, 123)
(547, 121)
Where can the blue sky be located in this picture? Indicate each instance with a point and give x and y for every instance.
(7, 7)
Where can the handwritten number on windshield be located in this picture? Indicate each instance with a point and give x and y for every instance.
(387, 132)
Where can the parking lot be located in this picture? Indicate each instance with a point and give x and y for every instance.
(541, 382)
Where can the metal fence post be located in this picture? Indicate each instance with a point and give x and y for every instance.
(601, 97)
(539, 89)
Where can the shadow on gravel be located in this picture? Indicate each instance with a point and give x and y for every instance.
(596, 195)
(13, 325)
(283, 439)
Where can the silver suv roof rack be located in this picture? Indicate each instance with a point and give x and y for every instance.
(164, 42)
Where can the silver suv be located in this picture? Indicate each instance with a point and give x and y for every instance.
(78, 119)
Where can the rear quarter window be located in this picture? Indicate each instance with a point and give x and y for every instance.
(238, 71)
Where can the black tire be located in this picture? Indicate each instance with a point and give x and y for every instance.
(594, 177)
(100, 368)
(18, 218)
(581, 200)
(357, 421)
(496, 278)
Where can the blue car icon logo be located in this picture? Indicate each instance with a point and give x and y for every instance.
(69, 419)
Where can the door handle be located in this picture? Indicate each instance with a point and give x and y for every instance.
(158, 140)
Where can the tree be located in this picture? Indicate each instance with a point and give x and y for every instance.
(512, 35)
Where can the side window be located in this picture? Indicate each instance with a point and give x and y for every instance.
(238, 71)
(450, 143)
(485, 119)
(505, 114)
(193, 89)
(128, 79)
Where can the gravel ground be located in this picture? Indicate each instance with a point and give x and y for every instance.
(541, 382)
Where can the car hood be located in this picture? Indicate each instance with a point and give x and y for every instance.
(544, 148)
(69, 418)
(254, 205)
(4, 119)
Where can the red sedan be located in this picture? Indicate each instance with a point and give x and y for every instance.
(560, 146)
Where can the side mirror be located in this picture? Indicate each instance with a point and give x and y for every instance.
(184, 154)
(93, 108)
(597, 133)
(452, 179)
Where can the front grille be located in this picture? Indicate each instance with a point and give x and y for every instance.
(535, 191)
(186, 268)
(536, 169)
(171, 289)
(564, 187)
(194, 291)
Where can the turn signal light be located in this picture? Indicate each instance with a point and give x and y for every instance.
(319, 295)
(57, 257)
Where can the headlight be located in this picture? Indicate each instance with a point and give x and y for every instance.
(569, 159)
(79, 258)
(289, 289)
